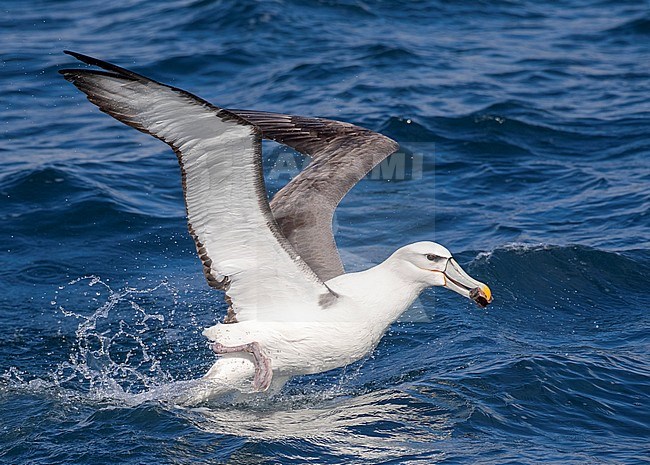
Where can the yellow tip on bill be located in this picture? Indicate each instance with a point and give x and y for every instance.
(488, 293)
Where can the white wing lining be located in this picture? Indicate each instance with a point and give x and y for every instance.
(229, 218)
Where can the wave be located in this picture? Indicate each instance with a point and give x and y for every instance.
(125, 360)
(63, 200)
(507, 118)
(634, 27)
(589, 273)
(534, 390)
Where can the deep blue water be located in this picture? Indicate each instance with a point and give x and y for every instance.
(531, 125)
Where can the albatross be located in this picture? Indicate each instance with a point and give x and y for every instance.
(292, 308)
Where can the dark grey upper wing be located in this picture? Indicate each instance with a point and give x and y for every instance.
(342, 154)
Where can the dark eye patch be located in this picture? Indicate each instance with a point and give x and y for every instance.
(431, 257)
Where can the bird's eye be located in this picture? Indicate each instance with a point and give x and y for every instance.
(431, 257)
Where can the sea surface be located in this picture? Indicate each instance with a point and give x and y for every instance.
(525, 135)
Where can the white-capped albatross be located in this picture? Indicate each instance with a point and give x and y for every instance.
(292, 308)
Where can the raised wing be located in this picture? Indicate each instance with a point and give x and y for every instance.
(342, 154)
(239, 243)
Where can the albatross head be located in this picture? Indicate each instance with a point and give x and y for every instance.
(432, 265)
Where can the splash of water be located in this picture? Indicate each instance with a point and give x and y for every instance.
(114, 350)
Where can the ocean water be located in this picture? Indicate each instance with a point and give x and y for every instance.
(526, 151)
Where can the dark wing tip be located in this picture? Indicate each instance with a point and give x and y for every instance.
(74, 54)
(77, 73)
(87, 59)
(67, 73)
(123, 72)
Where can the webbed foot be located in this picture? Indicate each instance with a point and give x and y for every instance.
(263, 370)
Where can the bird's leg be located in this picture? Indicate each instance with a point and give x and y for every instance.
(263, 371)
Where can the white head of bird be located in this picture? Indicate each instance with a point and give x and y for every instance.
(431, 264)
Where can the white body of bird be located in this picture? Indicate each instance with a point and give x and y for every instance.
(293, 309)
(312, 340)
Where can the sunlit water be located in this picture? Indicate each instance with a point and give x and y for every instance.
(524, 129)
